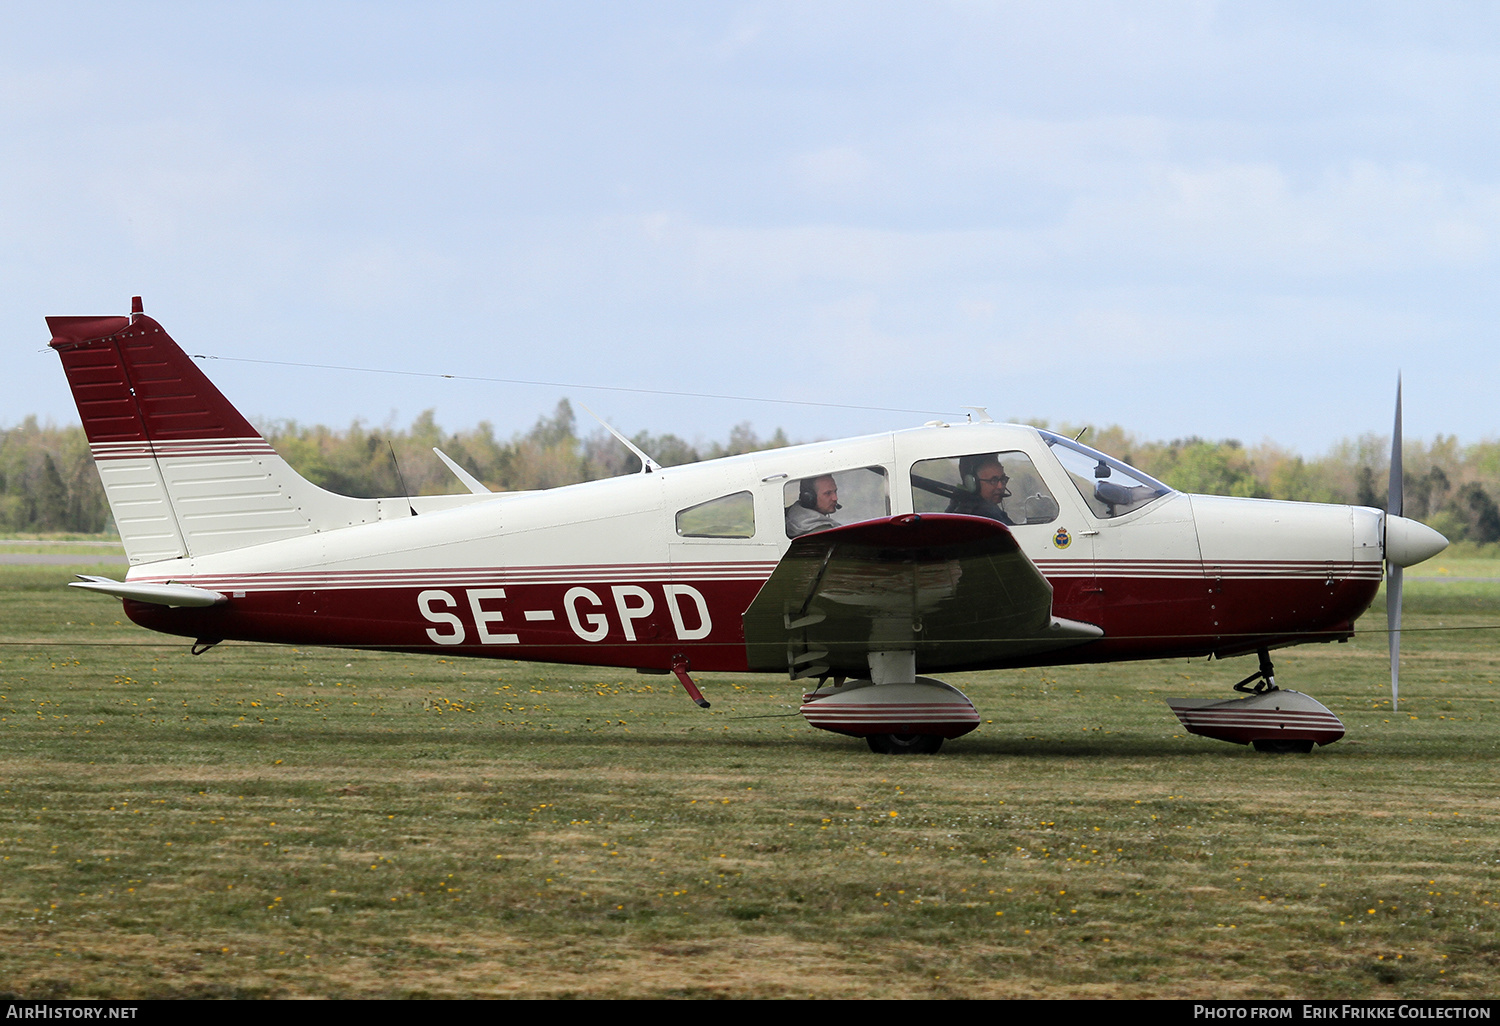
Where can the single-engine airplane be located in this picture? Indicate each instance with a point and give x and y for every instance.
(858, 564)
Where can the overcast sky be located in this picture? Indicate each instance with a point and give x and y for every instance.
(1226, 220)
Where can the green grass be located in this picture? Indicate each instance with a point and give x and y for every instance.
(264, 821)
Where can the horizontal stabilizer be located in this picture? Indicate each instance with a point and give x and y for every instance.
(155, 594)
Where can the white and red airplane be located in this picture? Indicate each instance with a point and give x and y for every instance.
(859, 563)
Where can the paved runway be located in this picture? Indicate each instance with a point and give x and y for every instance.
(61, 559)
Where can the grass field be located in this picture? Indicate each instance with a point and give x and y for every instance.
(271, 822)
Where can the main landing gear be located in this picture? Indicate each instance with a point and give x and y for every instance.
(894, 719)
(894, 710)
(1272, 719)
(904, 744)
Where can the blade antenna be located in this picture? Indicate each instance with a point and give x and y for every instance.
(401, 477)
(648, 465)
(1393, 573)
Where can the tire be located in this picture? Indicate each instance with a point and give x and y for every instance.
(1300, 747)
(905, 744)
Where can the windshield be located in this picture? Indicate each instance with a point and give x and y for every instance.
(1111, 488)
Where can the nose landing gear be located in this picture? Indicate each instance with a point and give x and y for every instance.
(1264, 678)
(1272, 719)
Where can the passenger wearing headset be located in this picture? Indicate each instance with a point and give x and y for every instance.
(817, 501)
(983, 489)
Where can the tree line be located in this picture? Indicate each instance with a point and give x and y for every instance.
(48, 482)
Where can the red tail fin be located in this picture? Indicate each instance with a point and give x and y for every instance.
(132, 383)
(186, 475)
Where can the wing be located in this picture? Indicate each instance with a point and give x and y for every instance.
(957, 590)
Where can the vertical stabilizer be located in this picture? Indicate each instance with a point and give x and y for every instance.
(184, 472)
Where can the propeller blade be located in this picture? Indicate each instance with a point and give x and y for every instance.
(1395, 498)
(1393, 619)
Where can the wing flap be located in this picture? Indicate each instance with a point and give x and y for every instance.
(957, 590)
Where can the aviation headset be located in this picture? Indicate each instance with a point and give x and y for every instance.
(807, 496)
(968, 471)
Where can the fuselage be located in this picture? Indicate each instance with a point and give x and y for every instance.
(645, 570)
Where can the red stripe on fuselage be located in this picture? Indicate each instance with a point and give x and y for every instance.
(614, 618)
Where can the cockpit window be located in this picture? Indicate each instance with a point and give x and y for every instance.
(1003, 486)
(729, 516)
(832, 500)
(1110, 487)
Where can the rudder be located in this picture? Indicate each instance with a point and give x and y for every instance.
(184, 472)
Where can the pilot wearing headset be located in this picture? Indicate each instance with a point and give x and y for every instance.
(816, 503)
(983, 489)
